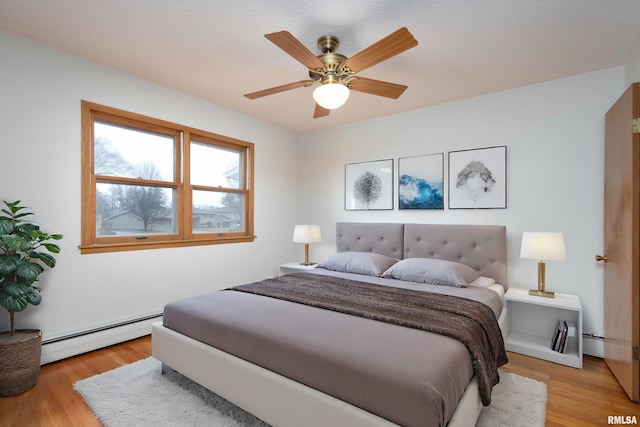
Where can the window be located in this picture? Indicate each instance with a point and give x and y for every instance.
(147, 183)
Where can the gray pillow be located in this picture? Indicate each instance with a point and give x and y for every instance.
(359, 262)
(432, 271)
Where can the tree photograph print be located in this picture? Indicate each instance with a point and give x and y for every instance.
(369, 185)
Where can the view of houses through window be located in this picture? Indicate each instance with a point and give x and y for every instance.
(217, 167)
(129, 208)
(151, 181)
(140, 209)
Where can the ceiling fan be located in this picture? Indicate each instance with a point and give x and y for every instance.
(335, 72)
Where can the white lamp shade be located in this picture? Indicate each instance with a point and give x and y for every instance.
(543, 246)
(307, 234)
(331, 95)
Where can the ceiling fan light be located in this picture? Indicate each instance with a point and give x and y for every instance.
(331, 95)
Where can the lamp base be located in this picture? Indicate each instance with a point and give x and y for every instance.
(308, 263)
(538, 293)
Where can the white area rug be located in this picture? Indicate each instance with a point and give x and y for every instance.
(138, 395)
(515, 401)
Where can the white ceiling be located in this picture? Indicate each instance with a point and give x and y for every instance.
(215, 49)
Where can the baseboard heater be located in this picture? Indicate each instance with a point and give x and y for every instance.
(72, 344)
(593, 345)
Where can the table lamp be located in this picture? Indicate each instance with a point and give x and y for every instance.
(307, 234)
(543, 246)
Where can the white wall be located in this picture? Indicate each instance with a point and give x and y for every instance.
(554, 133)
(40, 94)
(632, 67)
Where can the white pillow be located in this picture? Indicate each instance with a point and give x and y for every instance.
(432, 271)
(366, 263)
(482, 282)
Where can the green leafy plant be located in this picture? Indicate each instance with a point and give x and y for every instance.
(25, 251)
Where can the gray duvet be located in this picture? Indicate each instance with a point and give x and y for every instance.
(408, 376)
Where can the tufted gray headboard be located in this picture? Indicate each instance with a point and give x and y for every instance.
(482, 247)
(380, 238)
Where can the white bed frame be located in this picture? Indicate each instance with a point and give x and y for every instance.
(283, 402)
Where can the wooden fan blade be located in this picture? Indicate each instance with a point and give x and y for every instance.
(320, 111)
(278, 89)
(285, 41)
(392, 45)
(377, 87)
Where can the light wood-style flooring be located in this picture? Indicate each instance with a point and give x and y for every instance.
(576, 397)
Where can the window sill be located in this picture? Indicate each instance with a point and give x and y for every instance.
(137, 246)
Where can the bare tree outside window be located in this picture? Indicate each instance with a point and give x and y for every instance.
(136, 193)
(148, 203)
(128, 208)
(232, 201)
(107, 160)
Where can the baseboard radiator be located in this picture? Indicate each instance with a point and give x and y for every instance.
(72, 344)
(593, 345)
(75, 343)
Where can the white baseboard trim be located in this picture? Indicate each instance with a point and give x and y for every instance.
(77, 343)
(593, 346)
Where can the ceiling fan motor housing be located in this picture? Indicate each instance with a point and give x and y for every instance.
(328, 43)
(334, 71)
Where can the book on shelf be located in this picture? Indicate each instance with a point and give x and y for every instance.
(571, 329)
(565, 329)
(557, 335)
(563, 338)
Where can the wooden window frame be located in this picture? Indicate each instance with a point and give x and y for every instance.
(91, 243)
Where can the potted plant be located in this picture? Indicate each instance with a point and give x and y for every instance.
(25, 251)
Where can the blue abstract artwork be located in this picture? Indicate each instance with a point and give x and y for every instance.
(420, 182)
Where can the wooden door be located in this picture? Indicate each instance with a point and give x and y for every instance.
(622, 241)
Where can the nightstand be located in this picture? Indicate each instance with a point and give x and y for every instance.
(294, 267)
(533, 321)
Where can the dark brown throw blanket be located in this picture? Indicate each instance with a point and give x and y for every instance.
(471, 322)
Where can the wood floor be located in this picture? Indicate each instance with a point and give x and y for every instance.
(576, 397)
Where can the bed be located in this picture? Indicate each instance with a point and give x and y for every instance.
(340, 369)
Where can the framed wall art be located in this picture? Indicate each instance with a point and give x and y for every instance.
(421, 182)
(369, 185)
(478, 178)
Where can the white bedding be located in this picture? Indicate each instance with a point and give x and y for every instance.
(499, 289)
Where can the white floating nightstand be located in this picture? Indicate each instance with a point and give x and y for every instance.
(294, 267)
(533, 321)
